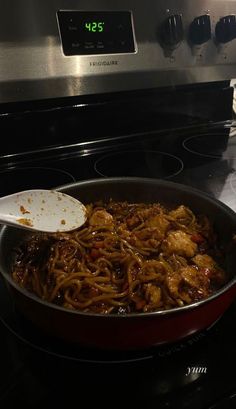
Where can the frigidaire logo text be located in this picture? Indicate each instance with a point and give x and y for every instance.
(102, 63)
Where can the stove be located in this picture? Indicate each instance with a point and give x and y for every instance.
(109, 90)
(196, 372)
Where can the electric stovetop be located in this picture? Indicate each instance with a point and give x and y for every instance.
(198, 372)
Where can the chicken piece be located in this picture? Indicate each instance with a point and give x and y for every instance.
(173, 281)
(156, 229)
(101, 218)
(204, 261)
(178, 242)
(160, 223)
(136, 218)
(181, 212)
(148, 213)
(175, 285)
(150, 267)
(148, 233)
(153, 295)
(187, 285)
(133, 221)
(195, 278)
(210, 269)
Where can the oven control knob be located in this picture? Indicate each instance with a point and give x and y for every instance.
(200, 30)
(225, 30)
(171, 31)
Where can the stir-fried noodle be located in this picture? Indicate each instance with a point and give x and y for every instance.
(126, 258)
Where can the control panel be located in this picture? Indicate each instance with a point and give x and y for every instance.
(66, 48)
(99, 32)
(172, 30)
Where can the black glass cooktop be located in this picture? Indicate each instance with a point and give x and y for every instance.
(37, 370)
(203, 157)
(196, 373)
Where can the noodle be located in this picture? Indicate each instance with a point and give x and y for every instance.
(128, 257)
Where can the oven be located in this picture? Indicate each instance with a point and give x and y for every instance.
(102, 89)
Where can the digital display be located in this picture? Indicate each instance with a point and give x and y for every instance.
(98, 32)
(94, 26)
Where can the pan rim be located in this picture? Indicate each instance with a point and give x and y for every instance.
(143, 315)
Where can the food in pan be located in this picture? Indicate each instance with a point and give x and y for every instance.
(126, 258)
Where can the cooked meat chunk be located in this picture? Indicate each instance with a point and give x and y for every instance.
(173, 281)
(210, 268)
(160, 223)
(188, 284)
(148, 233)
(180, 243)
(100, 218)
(204, 261)
(153, 266)
(194, 277)
(182, 212)
(148, 213)
(153, 295)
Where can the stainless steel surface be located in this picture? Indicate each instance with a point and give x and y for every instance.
(33, 65)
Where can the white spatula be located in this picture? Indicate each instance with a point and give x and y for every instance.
(42, 210)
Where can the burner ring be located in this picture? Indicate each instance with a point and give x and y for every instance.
(202, 145)
(147, 163)
(15, 179)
